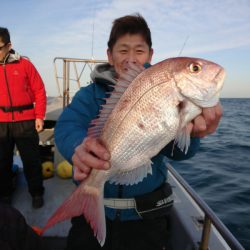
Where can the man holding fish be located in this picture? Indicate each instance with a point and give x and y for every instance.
(118, 141)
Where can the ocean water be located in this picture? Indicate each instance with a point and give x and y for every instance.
(220, 171)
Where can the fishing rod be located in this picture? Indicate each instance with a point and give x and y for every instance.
(184, 44)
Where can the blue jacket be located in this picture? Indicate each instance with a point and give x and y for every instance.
(71, 129)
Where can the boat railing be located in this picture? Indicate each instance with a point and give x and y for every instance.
(72, 74)
(209, 217)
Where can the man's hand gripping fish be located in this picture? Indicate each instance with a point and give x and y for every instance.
(147, 110)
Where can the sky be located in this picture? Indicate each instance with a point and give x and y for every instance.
(214, 30)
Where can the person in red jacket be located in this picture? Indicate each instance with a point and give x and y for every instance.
(22, 110)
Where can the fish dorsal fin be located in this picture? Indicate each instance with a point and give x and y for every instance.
(132, 71)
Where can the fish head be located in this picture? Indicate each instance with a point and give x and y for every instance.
(198, 80)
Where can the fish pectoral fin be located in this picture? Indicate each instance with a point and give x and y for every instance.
(133, 176)
(182, 139)
(85, 200)
(187, 113)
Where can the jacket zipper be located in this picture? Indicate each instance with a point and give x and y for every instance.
(8, 88)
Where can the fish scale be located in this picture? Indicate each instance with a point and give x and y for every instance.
(155, 114)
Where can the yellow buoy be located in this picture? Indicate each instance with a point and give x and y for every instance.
(64, 169)
(47, 169)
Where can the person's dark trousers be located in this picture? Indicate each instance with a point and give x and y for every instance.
(15, 233)
(150, 234)
(24, 135)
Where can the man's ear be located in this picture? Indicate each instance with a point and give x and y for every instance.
(9, 46)
(110, 58)
(151, 52)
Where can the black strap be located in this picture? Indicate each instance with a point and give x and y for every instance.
(16, 108)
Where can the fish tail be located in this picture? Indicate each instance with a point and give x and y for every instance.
(94, 213)
(86, 200)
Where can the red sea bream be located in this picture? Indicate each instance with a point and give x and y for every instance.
(146, 110)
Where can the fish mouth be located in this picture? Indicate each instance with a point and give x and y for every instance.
(219, 79)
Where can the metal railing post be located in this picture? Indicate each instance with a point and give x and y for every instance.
(67, 82)
(64, 83)
(205, 234)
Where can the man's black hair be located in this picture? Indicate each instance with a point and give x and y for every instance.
(4, 35)
(130, 24)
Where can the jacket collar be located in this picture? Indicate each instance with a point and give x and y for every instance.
(11, 57)
(104, 74)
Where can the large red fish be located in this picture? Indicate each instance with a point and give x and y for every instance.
(146, 110)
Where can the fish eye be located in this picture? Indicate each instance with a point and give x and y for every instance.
(195, 68)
